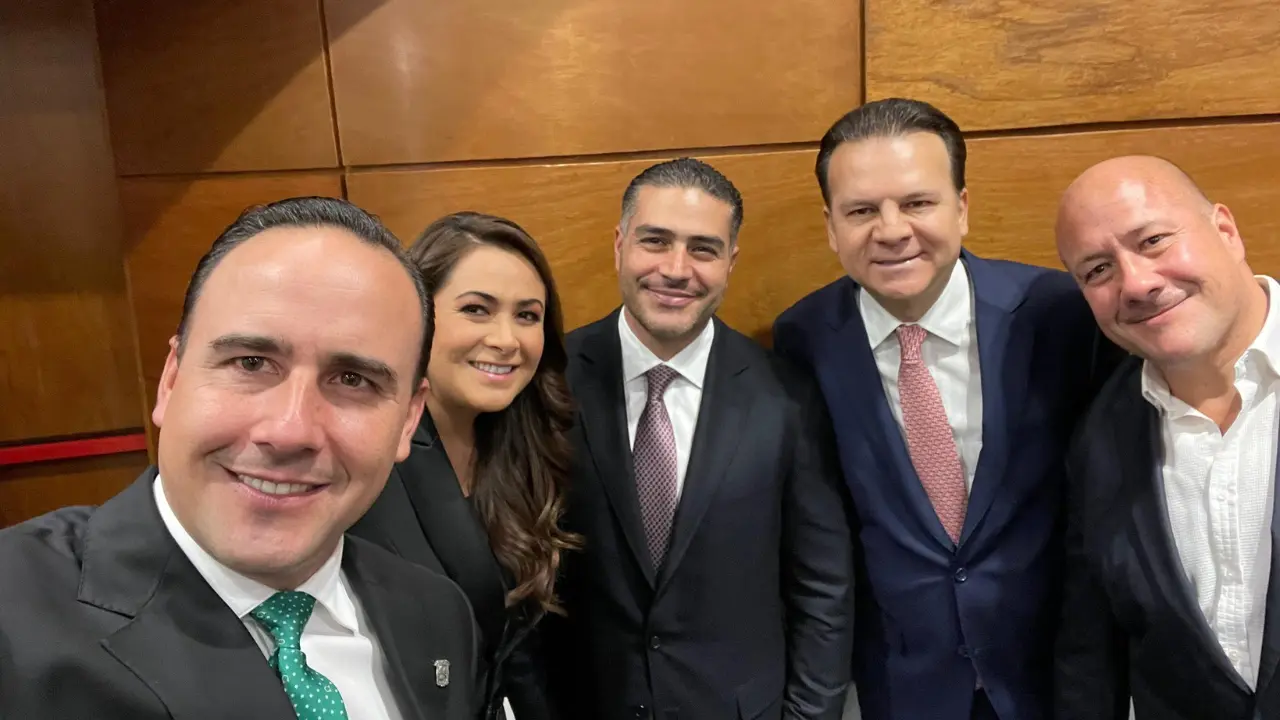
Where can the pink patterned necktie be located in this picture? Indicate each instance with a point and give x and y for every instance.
(655, 462)
(929, 439)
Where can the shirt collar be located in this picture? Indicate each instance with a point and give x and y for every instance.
(243, 594)
(1264, 350)
(948, 319)
(691, 362)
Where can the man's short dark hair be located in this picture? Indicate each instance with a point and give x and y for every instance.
(685, 173)
(306, 212)
(891, 117)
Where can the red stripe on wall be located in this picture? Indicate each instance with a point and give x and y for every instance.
(64, 449)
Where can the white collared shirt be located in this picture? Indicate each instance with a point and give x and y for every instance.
(683, 396)
(950, 351)
(337, 640)
(1219, 489)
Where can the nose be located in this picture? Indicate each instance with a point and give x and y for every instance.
(892, 226)
(1139, 280)
(290, 417)
(502, 336)
(676, 265)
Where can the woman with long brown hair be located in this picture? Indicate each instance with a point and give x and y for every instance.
(481, 493)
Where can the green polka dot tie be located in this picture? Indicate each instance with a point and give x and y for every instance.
(314, 697)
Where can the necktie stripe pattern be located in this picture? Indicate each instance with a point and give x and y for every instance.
(930, 442)
(656, 465)
(314, 697)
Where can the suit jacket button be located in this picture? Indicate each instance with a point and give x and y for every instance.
(654, 642)
(961, 575)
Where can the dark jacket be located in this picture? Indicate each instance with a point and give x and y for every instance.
(423, 517)
(103, 616)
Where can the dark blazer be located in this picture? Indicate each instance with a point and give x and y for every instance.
(749, 617)
(1131, 625)
(102, 616)
(422, 516)
(933, 618)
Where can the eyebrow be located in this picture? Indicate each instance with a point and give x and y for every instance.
(669, 235)
(1093, 257)
(259, 344)
(527, 302)
(373, 369)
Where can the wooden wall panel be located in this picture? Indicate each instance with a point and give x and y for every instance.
(422, 81)
(571, 210)
(1027, 63)
(66, 344)
(199, 85)
(30, 490)
(169, 224)
(1015, 183)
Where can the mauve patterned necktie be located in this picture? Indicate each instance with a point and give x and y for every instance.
(655, 463)
(929, 439)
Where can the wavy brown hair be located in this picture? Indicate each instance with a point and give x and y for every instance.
(522, 454)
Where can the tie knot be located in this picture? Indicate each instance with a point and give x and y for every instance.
(911, 337)
(660, 377)
(284, 615)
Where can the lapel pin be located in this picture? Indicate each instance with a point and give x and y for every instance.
(442, 673)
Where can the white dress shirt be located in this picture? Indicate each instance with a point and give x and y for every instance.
(950, 351)
(337, 639)
(683, 396)
(1219, 491)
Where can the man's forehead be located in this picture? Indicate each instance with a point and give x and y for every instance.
(271, 283)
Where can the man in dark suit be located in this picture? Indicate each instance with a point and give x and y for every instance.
(220, 584)
(953, 383)
(716, 577)
(1171, 589)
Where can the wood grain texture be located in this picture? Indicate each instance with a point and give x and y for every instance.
(169, 225)
(202, 85)
(30, 490)
(572, 210)
(422, 81)
(1015, 183)
(1027, 63)
(67, 362)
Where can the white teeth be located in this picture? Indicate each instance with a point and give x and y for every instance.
(271, 488)
(495, 369)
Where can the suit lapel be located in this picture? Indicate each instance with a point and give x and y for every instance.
(458, 541)
(1141, 455)
(1004, 371)
(860, 385)
(604, 415)
(393, 615)
(715, 440)
(183, 641)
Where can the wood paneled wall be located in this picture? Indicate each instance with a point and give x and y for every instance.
(543, 111)
(68, 362)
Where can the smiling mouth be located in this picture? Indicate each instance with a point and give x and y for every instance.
(281, 489)
(897, 262)
(493, 369)
(1152, 316)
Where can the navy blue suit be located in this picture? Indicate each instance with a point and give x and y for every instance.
(934, 619)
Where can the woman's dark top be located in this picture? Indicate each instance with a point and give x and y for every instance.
(423, 517)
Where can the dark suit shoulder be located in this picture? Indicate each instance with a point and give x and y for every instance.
(576, 338)
(31, 548)
(816, 305)
(1116, 399)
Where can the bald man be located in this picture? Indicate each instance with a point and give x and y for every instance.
(1168, 594)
